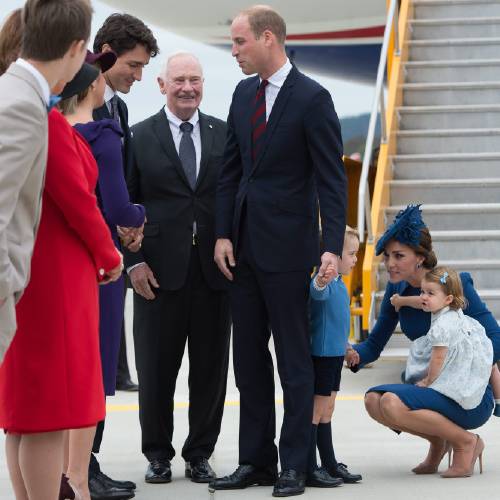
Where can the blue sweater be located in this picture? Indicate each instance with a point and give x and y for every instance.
(329, 319)
(415, 322)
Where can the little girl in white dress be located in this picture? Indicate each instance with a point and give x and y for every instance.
(455, 356)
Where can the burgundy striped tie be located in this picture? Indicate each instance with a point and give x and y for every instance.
(259, 119)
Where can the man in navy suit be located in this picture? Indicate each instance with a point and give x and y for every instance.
(134, 44)
(283, 158)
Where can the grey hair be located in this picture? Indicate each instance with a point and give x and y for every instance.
(174, 55)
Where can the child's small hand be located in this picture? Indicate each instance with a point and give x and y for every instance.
(321, 281)
(422, 383)
(396, 301)
(352, 358)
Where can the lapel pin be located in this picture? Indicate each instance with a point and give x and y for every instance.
(210, 125)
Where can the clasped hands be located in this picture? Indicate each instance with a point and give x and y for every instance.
(131, 237)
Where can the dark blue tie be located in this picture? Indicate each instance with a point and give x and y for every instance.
(115, 114)
(187, 153)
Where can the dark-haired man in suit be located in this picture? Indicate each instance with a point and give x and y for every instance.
(283, 157)
(180, 295)
(134, 44)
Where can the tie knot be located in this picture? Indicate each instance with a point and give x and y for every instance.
(262, 87)
(186, 127)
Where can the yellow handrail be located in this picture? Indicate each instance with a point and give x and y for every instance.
(381, 195)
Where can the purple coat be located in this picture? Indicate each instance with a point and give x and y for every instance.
(104, 137)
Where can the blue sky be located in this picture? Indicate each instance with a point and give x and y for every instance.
(221, 75)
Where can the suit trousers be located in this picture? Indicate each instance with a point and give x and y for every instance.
(201, 316)
(261, 303)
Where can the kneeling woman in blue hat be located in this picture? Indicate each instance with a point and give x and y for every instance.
(408, 255)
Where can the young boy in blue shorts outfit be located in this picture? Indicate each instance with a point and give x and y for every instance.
(330, 326)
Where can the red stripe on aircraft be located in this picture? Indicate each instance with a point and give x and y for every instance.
(375, 31)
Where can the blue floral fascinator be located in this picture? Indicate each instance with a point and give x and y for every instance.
(405, 229)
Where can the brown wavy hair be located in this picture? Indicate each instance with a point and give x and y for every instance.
(424, 249)
(449, 281)
(122, 32)
(10, 39)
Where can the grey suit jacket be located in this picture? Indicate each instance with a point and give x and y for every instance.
(23, 158)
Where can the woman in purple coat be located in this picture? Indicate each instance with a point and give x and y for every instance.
(104, 138)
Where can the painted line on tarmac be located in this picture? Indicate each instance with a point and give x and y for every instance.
(113, 408)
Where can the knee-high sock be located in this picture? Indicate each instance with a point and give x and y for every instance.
(312, 462)
(325, 445)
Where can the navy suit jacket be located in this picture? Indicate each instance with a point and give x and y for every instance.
(299, 165)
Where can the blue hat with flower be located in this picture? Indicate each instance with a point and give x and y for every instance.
(405, 228)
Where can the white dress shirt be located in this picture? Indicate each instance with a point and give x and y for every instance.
(109, 93)
(44, 84)
(276, 81)
(175, 123)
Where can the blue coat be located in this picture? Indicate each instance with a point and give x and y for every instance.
(415, 323)
(329, 319)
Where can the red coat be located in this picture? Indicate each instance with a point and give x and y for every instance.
(51, 377)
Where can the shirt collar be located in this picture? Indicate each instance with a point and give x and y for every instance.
(176, 121)
(109, 93)
(278, 79)
(44, 84)
(435, 316)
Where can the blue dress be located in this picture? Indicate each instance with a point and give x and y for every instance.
(416, 323)
(104, 138)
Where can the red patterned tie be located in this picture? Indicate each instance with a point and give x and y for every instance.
(259, 119)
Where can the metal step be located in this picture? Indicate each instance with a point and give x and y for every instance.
(445, 9)
(451, 93)
(463, 70)
(491, 297)
(473, 27)
(449, 117)
(445, 191)
(485, 273)
(446, 166)
(449, 141)
(467, 245)
(453, 48)
(455, 216)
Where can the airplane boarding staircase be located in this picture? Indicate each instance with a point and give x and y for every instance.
(444, 143)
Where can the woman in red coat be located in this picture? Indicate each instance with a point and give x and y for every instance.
(51, 378)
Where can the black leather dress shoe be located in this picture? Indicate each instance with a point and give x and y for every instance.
(126, 385)
(101, 491)
(244, 476)
(199, 471)
(159, 471)
(289, 484)
(126, 485)
(320, 478)
(341, 472)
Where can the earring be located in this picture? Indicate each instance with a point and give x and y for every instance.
(419, 265)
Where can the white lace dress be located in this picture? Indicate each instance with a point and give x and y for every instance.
(467, 367)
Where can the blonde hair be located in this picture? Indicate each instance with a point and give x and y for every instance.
(353, 233)
(69, 105)
(450, 283)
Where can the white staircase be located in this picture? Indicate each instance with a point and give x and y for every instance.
(448, 153)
